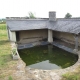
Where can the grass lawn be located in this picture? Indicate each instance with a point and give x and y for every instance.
(6, 62)
(72, 75)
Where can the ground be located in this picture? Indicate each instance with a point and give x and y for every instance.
(15, 70)
(6, 62)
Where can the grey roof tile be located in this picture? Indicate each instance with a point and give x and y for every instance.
(63, 25)
(17, 25)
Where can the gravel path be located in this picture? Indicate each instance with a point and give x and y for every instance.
(42, 75)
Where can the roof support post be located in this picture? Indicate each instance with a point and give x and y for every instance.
(76, 43)
(50, 35)
(12, 36)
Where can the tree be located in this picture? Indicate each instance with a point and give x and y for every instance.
(31, 15)
(68, 15)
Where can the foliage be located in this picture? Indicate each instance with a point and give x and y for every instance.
(14, 51)
(10, 78)
(31, 15)
(68, 15)
(26, 17)
(2, 21)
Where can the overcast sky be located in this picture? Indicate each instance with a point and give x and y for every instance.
(21, 8)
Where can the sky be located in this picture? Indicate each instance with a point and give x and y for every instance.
(40, 8)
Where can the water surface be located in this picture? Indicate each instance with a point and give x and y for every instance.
(47, 57)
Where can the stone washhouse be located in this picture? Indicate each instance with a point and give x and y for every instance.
(61, 32)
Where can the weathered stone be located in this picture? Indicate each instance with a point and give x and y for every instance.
(21, 66)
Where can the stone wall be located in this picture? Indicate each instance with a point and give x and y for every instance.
(12, 36)
(32, 35)
(29, 36)
(67, 37)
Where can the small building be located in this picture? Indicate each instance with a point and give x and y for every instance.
(52, 30)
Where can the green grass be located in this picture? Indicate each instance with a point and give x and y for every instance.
(4, 46)
(6, 62)
(10, 78)
(2, 27)
(72, 76)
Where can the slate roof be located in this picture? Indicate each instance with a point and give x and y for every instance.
(66, 25)
(29, 24)
(63, 25)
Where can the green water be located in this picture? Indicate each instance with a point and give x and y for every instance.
(47, 57)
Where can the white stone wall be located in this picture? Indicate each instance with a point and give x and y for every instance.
(28, 36)
(50, 36)
(12, 36)
(66, 37)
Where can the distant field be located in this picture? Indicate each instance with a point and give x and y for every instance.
(2, 26)
(3, 32)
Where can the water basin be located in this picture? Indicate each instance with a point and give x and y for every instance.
(47, 57)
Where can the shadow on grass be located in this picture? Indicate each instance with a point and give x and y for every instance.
(6, 57)
(3, 42)
(6, 60)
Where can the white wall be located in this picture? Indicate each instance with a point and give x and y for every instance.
(28, 36)
(12, 36)
(68, 37)
(50, 35)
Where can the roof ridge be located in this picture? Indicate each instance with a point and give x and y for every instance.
(26, 19)
(68, 19)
